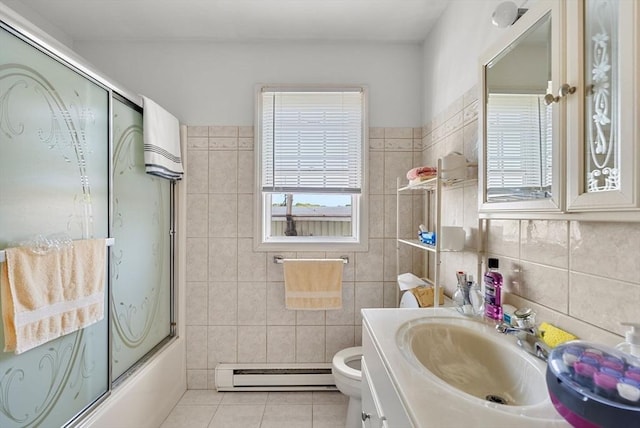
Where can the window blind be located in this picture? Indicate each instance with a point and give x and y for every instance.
(519, 135)
(312, 141)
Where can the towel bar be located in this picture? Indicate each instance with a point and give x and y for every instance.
(109, 242)
(280, 259)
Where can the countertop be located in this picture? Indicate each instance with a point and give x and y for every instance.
(432, 404)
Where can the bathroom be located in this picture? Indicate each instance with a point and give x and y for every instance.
(423, 104)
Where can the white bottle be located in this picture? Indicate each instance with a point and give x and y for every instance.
(631, 345)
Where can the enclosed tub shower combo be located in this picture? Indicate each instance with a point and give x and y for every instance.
(72, 171)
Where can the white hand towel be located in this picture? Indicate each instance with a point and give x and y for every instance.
(161, 141)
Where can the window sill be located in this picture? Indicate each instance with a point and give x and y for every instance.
(311, 246)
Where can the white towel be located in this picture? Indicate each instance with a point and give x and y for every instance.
(45, 296)
(161, 141)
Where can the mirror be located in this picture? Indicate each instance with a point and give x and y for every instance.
(519, 119)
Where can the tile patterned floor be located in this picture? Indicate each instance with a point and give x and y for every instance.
(212, 409)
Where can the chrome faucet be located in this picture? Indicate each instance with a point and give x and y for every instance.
(526, 334)
(519, 332)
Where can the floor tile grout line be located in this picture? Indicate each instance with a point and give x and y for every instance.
(314, 407)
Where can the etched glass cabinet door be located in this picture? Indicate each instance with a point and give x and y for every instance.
(603, 114)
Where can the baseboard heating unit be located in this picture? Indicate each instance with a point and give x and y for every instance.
(274, 377)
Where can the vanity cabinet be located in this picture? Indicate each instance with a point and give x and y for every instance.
(372, 414)
(381, 403)
(560, 111)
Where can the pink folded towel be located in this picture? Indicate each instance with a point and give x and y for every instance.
(421, 172)
(45, 296)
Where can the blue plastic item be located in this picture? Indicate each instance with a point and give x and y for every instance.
(428, 238)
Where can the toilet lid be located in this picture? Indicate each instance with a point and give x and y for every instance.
(408, 300)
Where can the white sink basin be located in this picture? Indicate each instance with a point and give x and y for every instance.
(473, 360)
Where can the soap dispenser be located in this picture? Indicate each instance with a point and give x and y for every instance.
(631, 345)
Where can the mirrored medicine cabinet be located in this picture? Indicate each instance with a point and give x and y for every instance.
(522, 151)
(559, 111)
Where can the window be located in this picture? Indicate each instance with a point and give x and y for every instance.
(311, 164)
(520, 146)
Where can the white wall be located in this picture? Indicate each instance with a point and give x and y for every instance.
(522, 70)
(212, 83)
(451, 51)
(38, 20)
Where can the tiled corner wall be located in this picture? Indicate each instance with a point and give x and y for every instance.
(589, 271)
(235, 296)
(456, 130)
(579, 275)
(584, 276)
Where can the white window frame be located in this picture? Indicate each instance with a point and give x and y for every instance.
(262, 209)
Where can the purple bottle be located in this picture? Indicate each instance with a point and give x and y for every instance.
(493, 291)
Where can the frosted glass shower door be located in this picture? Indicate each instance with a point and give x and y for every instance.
(54, 178)
(140, 265)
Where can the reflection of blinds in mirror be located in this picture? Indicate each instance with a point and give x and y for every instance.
(519, 144)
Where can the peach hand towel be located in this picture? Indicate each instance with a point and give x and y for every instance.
(48, 296)
(425, 295)
(313, 284)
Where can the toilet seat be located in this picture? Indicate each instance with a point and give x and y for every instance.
(341, 358)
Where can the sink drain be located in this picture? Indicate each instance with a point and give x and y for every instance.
(495, 399)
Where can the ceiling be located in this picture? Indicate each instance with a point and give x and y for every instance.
(240, 20)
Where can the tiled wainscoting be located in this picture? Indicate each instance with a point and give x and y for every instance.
(577, 274)
(580, 274)
(235, 296)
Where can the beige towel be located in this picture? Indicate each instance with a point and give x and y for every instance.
(47, 296)
(313, 284)
(424, 296)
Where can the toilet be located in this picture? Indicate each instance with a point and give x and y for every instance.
(345, 368)
(347, 375)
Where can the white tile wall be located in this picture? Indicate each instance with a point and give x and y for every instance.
(221, 344)
(235, 307)
(252, 344)
(310, 343)
(578, 273)
(197, 297)
(455, 129)
(281, 344)
(587, 271)
(581, 275)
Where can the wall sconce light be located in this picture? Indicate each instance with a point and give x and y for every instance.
(506, 13)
